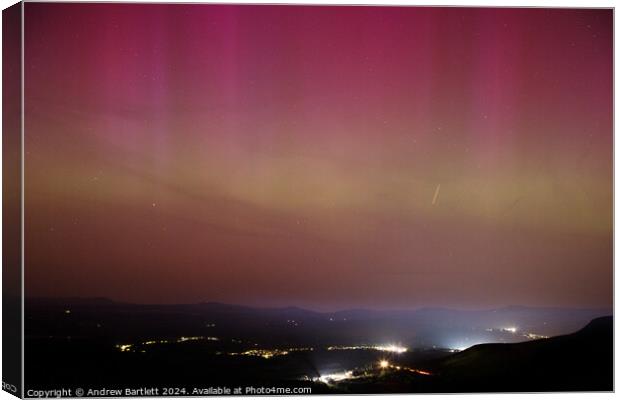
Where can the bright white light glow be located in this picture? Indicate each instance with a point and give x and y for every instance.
(392, 348)
(340, 376)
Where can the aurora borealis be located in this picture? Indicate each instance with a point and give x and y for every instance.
(323, 157)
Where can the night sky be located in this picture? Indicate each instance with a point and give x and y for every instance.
(323, 157)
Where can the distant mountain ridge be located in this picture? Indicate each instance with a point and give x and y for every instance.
(352, 312)
(449, 328)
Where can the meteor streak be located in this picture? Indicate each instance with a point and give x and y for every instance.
(436, 194)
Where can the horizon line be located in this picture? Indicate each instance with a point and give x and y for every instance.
(339, 310)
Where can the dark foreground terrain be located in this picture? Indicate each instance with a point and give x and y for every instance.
(97, 343)
(579, 361)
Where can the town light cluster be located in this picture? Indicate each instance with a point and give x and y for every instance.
(390, 348)
(182, 339)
